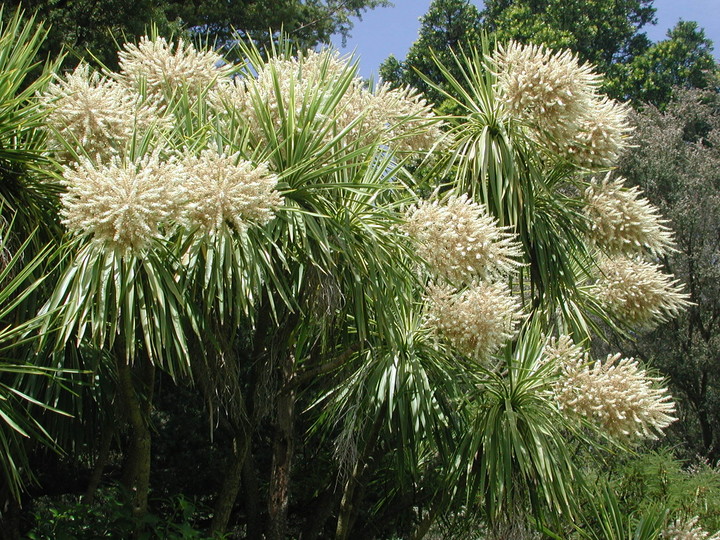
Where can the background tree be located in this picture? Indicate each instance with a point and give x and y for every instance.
(91, 29)
(683, 60)
(87, 29)
(676, 162)
(306, 23)
(448, 26)
(602, 32)
(607, 33)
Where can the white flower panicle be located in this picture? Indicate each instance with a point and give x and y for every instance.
(687, 530)
(637, 291)
(460, 241)
(616, 394)
(549, 89)
(284, 86)
(624, 222)
(95, 113)
(406, 117)
(223, 189)
(558, 97)
(162, 68)
(477, 320)
(122, 205)
(563, 350)
(603, 133)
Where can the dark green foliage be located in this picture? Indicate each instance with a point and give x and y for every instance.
(600, 31)
(683, 60)
(306, 23)
(110, 517)
(93, 30)
(607, 33)
(89, 29)
(630, 497)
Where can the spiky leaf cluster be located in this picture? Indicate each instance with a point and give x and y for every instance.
(285, 85)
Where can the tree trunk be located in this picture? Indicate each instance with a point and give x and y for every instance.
(231, 485)
(137, 403)
(283, 446)
(106, 436)
(252, 496)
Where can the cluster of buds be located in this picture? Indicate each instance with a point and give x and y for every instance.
(477, 320)
(157, 68)
(638, 292)
(126, 204)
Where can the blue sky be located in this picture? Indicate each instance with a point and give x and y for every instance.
(386, 31)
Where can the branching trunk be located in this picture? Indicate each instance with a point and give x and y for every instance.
(251, 491)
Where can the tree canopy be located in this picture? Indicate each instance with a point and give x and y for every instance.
(94, 29)
(602, 32)
(683, 60)
(606, 33)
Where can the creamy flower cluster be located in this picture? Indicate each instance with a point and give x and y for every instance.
(602, 134)
(637, 291)
(460, 241)
(476, 320)
(616, 394)
(687, 530)
(285, 86)
(223, 189)
(127, 204)
(558, 97)
(123, 205)
(622, 221)
(95, 113)
(563, 350)
(550, 89)
(158, 67)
